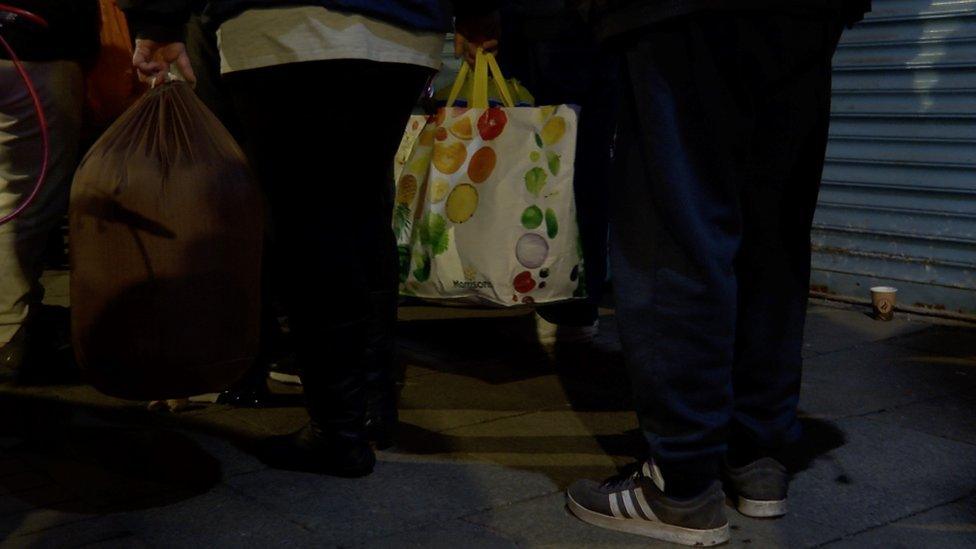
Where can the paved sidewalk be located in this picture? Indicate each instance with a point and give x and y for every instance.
(493, 431)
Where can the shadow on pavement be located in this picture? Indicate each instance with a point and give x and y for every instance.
(85, 460)
(593, 378)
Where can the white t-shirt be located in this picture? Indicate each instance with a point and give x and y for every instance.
(275, 36)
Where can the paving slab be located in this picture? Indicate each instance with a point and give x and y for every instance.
(442, 420)
(449, 391)
(953, 340)
(412, 369)
(876, 376)
(118, 468)
(563, 444)
(397, 497)
(245, 423)
(233, 460)
(79, 533)
(220, 518)
(831, 328)
(949, 416)
(450, 535)
(14, 506)
(36, 519)
(947, 527)
(881, 474)
(544, 521)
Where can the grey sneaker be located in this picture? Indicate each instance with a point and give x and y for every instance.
(759, 488)
(636, 504)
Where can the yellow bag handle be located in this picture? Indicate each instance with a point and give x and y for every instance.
(484, 63)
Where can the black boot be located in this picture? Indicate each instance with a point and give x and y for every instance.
(334, 441)
(313, 450)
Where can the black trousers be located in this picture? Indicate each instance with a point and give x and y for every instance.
(322, 137)
(721, 145)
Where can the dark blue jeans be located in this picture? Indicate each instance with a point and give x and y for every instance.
(549, 48)
(720, 150)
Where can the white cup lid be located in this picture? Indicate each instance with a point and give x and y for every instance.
(884, 289)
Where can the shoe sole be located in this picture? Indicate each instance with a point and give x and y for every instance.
(290, 379)
(651, 529)
(761, 508)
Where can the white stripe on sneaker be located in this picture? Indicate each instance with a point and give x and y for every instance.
(647, 470)
(615, 507)
(629, 504)
(642, 501)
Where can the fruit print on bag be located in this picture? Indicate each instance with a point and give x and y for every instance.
(524, 283)
(532, 217)
(462, 129)
(449, 157)
(440, 188)
(482, 164)
(492, 123)
(554, 130)
(461, 203)
(552, 225)
(406, 192)
(535, 179)
(531, 250)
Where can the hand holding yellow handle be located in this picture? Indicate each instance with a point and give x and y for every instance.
(484, 63)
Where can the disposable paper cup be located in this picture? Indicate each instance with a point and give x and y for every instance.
(883, 302)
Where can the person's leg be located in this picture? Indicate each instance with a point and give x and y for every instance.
(382, 416)
(779, 195)
(552, 52)
(676, 231)
(725, 122)
(323, 155)
(23, 240)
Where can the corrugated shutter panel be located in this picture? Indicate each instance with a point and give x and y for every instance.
(898, 202)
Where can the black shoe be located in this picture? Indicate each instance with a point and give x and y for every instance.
(636, 504)
(40, 354)
(246, 396)
(12, 356)
(310, 451)
(759, 488)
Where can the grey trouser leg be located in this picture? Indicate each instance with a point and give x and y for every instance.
(22, 241)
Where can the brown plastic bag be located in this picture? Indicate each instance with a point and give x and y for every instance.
(111, 85)
(166, 234)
